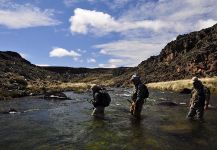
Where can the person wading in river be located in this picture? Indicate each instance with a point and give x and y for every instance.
(101, 99)
(138, 97)
(199, 101)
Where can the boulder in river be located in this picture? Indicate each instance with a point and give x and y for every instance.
(10, 111)
(55, 95)
(185, 91)
(167, 103)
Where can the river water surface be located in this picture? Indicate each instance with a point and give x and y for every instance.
(67, 124)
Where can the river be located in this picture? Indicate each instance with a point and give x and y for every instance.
(51, 124)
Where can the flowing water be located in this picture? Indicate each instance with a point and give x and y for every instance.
(43, 124)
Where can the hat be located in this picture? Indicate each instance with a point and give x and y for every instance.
(95, 87)
(194, 79)
(135, 78)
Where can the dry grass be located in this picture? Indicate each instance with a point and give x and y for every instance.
(178, 85)
(78, 87)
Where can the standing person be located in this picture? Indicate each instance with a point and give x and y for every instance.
(197, 101)
(101, 99)
(139, 95)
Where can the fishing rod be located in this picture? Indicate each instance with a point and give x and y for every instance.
(130, 101)
(90, 100)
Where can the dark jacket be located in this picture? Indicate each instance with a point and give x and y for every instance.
(198, 97)
(207, 95)
(141, 92)
(101, 98)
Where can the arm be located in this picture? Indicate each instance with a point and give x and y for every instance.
(207, 98)
(96, 100)
(140, 93)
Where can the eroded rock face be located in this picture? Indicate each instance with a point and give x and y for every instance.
(193, 54)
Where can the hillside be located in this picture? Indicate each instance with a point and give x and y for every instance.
(193, 54)
(16, 74)
(104, 76)
(12, 63)
(18, 77)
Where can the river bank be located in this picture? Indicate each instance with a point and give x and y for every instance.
(179, 85)
(39, 88)
(23, 88)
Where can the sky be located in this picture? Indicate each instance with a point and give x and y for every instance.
(98, 33)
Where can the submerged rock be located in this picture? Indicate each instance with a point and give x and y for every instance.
(167, 103)
(10, 111)
(185, 91)
(55, 95)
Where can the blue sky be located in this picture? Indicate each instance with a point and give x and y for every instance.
(98, 33)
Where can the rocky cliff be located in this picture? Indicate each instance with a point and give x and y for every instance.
(193, 54)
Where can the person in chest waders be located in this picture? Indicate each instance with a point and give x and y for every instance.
(101, 99)
(140, 94)
(199, 101)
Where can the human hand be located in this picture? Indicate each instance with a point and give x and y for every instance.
(206, 107)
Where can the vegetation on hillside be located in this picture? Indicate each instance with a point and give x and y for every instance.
(179, 85)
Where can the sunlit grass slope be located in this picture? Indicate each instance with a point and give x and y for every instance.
(178, 85)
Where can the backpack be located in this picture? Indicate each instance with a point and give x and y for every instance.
(146, 92)
(106, 99)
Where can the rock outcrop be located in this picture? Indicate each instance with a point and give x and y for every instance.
(193, 54)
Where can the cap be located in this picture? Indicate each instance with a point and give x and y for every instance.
(135, 78)
(194, 79)
(95, 87)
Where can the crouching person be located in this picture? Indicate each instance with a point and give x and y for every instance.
(101, 99)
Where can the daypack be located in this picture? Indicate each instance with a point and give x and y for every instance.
(105, 98)
(146, 95)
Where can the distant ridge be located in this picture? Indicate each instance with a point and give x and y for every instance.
(12, 63)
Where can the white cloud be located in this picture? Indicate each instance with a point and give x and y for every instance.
(81, 51)
(25, 16)
(91, 60)
(115, 5)
(112, 4)
(60, 52)
(112, 63)
(205, 23)
(73, 2)
(25, 56)
(149, 25)
(164, 19)
(85, 21)
(180, 16)
(145, 26)
(129, 53)
(107, 66)
(42, 65)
